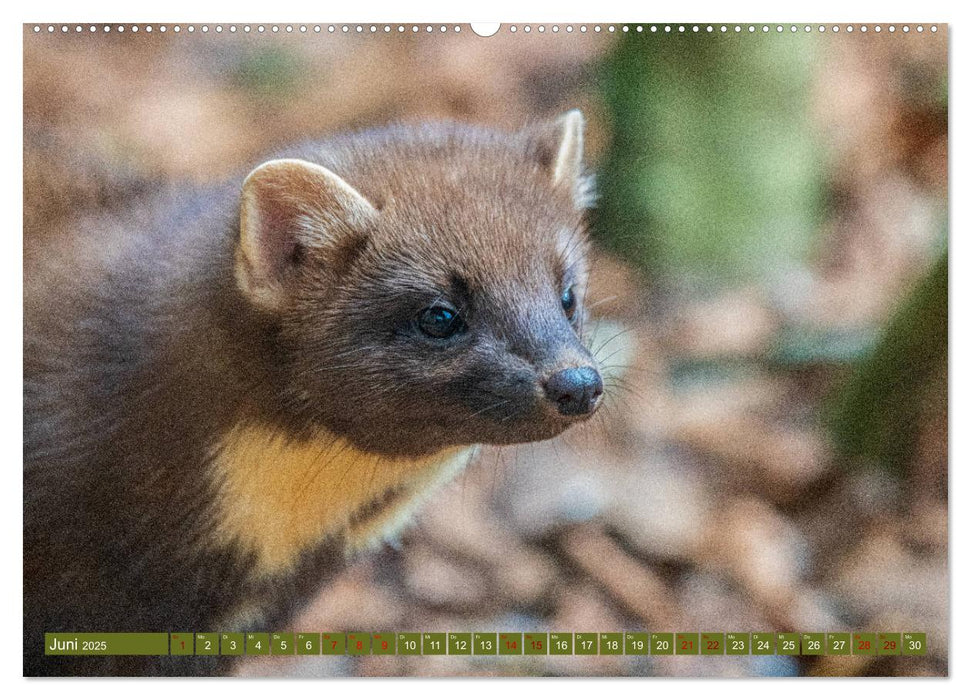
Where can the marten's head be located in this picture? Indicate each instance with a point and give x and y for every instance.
(426, 284)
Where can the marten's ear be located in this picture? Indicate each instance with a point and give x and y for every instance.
(290, 207)
(558, 145)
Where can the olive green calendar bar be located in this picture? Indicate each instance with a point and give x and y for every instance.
(484, 643)
(107, 644)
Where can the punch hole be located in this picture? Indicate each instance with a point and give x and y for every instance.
(485, 29)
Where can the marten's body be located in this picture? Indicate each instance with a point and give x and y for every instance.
(227, 393)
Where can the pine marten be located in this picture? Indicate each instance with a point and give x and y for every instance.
(228, 391)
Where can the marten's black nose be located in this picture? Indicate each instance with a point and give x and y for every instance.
(575, 390)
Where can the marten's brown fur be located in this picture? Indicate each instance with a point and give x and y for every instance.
(227, 391)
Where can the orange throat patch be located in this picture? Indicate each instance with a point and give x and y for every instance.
(278, 498)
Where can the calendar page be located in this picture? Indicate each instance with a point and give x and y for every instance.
(524, 349)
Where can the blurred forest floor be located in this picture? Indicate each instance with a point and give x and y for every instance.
(707, 495)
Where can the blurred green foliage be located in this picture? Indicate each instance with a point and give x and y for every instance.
(267, 71)
(713, 174)
(877, 413)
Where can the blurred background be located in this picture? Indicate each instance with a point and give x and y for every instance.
(769, 302)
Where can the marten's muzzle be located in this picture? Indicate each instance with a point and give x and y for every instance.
(574, 391)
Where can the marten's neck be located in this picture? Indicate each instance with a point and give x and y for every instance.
(278, 497)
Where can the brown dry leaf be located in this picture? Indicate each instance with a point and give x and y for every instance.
(754, 544)
(439, 581)
(630, 583)
(660, 508)
(755, 455)
(466, 528)
(352, 601)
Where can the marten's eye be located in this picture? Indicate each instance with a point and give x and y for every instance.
(569, 301)
(440, 322)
